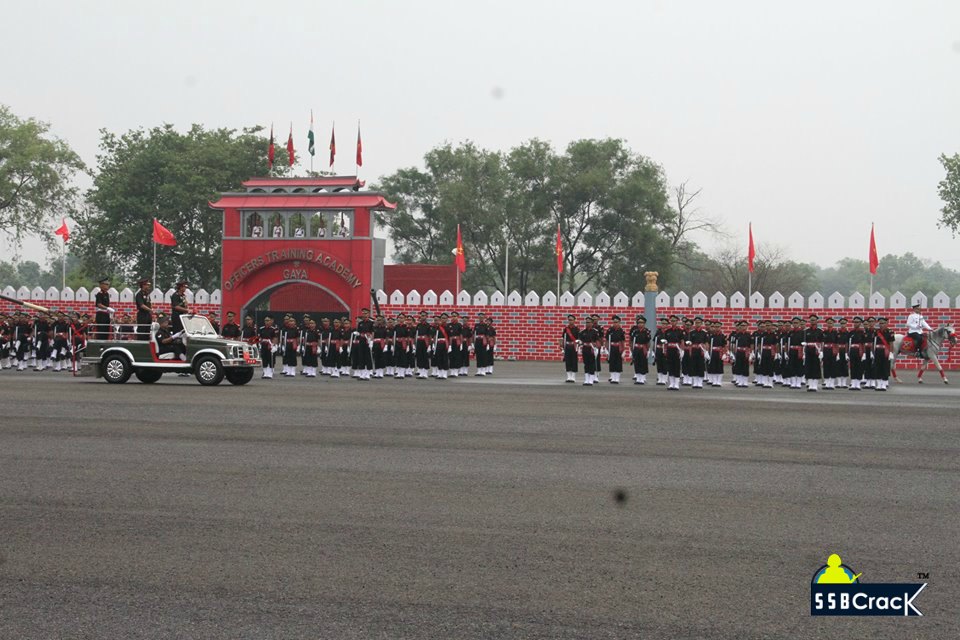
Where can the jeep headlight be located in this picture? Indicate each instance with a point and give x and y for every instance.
(234, 352)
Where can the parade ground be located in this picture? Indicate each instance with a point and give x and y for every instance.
(507, 507)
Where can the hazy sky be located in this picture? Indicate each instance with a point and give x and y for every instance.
(811, 120)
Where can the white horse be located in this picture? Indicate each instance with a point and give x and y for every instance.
(935, 340)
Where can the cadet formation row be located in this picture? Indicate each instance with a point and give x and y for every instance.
(693, 351)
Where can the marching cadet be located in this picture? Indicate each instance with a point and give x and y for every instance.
(346, 346)
(231, 329)
(755, 351)
(639, 349)
(601, 336)
(696, 342)
(687, 325)
(856, 353)
(441, 347)
(812, 352)
(389, 347)
(268, 344)
(831, 352)
(365, 328)
(41, 335)
(326, 348)
(335, 347)
(144, 309)
(410, 346)
(672, 339)
(793, 368)
(660, 355)
(768, 353)
(78, 332)
(424, 334)
(311, 349)
(178, 305)
(716, 347)
(616, 340)
(479, 341)
(869, 332)
(379, 347)
(589, 340)
(739, 345)
(289, 346)
(61, 341)
(843, 364)
(101, 303)
(491, 348)
(883, 340)
(466, 346)
(5, 332)
(570, 339)
(23, 339)
(455, 331)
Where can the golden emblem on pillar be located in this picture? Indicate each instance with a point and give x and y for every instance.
(651, 277)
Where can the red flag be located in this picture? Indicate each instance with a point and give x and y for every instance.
(559, 251)
(333, 144)
(751, 251)
(270, 153)
(461, 258)
(63, 231)
(162, 235)
(359, 148)
(290, 146)
(874, 258)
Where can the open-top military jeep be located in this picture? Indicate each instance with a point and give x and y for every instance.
(206, 355)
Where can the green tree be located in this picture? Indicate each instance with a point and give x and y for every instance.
(171, 176)
(949, 190)
(36, 170)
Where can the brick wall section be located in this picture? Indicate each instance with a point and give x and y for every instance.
(534, 333)
(88, 307)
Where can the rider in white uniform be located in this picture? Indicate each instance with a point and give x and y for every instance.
(916, 326)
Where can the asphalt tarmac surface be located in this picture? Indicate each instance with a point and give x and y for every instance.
(471, 508)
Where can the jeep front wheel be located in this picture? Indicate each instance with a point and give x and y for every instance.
(239, 376)
(148, 376)
(116, 369)
(209, 371)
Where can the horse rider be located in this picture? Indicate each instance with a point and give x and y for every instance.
(916, 325)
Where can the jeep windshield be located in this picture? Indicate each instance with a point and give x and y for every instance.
(197, 326)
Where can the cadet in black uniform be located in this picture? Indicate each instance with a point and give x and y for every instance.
(480, 341)
(465, 346)
(716, 348)
(230, 329)
(311, 349)
(491, 346)
(424, 335)
(61, 342)
(400, 362)
(831, 352)
(570, 339)
(347, 347)
(770, 341)
(601, 338)
(363, 358)
(289, 346)
(441, 347)
(672, 338)
(660, 355)
(326, 340)
(792, 371)
(41, 335)
(812, 352)
(740, 345)
(640, 348)
(697, 341)
(589, 338)
(856, 353)
(883, 340)
(455, 331)
(389, 348)
(268, 344)
(379, 347)
(843, 364)
(249, 331)
(144, 309)
(101, 302)
(869, 334)
(616, 341)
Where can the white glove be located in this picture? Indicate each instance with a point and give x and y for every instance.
(821, 355)
(687, 342)
(863, 358)
(803, 344)
(111, 310)
(751, 358)
(494, 350)
(891, 357)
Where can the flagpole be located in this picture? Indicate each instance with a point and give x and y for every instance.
(64, 265)
(506, 272)
(154, 262)
(749, 286)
